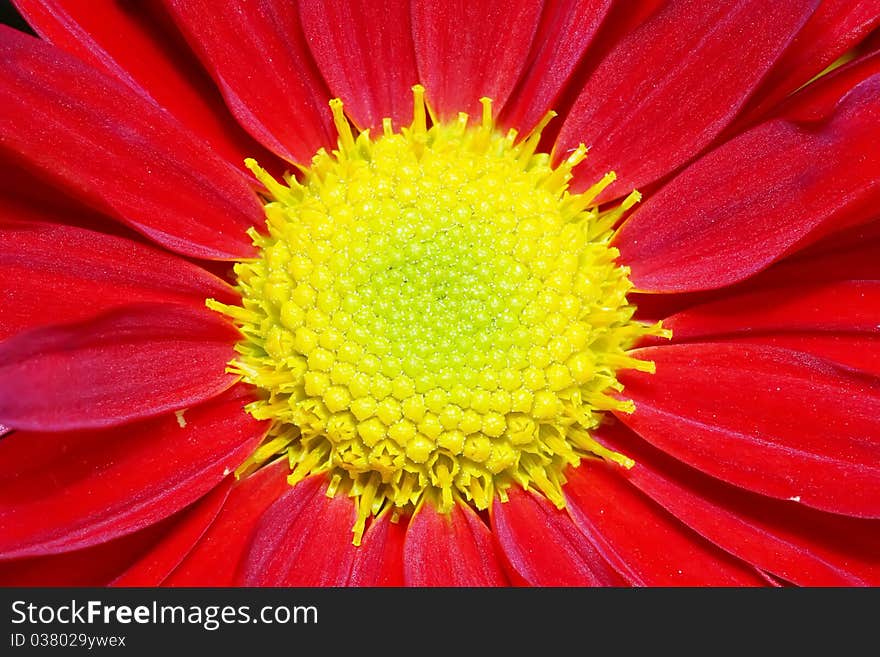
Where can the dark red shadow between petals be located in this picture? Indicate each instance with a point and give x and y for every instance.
(216, 558)
(651, 545)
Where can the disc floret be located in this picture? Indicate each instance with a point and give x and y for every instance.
(433, 315)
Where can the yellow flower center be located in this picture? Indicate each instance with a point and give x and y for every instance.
(434, 316)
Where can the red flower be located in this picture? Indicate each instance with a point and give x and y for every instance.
(752, 455)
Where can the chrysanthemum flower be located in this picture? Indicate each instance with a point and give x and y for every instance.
(440, 293)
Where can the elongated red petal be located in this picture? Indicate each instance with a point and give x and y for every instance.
(303, 539)
(379, 559)
(802, 546)
(138, 45)
(64, 491)
(755, 199)
(672, 85)
(856, 350)
(450, 549)
(365, 53)
(91, 566)
(268, 79)
(468, 50)
(837, 26)
(656, 548)
(819, 99)
(137, 361)
(830, 260)
(69, 274)
(543, 547)
(161, 559)
(565, 32)
(127, 157)
(844, 306)
(777, 422)
(215, 559)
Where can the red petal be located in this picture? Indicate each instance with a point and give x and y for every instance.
(800, 545)
(819, 99)
(672, 85)
(70, 274)
(379, 559)
(777, 422)
(121, 154)
(216, 557)
(63, 491)
(844, 306)
(543, 547)
(856, 261)
(155, 565)
(92, 566)
(450, 549)
(836, 27)
(268, 79)
(757, 198)
(654, 546)
(858, 351)
(303, 539)
(565, 32)
(133, 362)
(365, 53)
(137, 44)
(467, 50)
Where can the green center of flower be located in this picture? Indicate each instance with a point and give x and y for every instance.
(433, 315)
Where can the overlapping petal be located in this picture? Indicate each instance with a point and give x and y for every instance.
(672, 85)
(565, 32)
(775, 187)
(840, 307)
(92, 566)
(543, 547)
(140, 47)
(151, 568)
(71, 490)
(136, 361)
(216, 558)
(649, 545)
(73, 273)
(777, 422)
(379, 560)
(468, 50)
(268, 79)
(835, 27)
(785, 538)
(454, 549)
(303, 539)
(119, 153)
(365, 53)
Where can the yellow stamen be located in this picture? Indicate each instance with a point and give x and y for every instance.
(434, 315)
